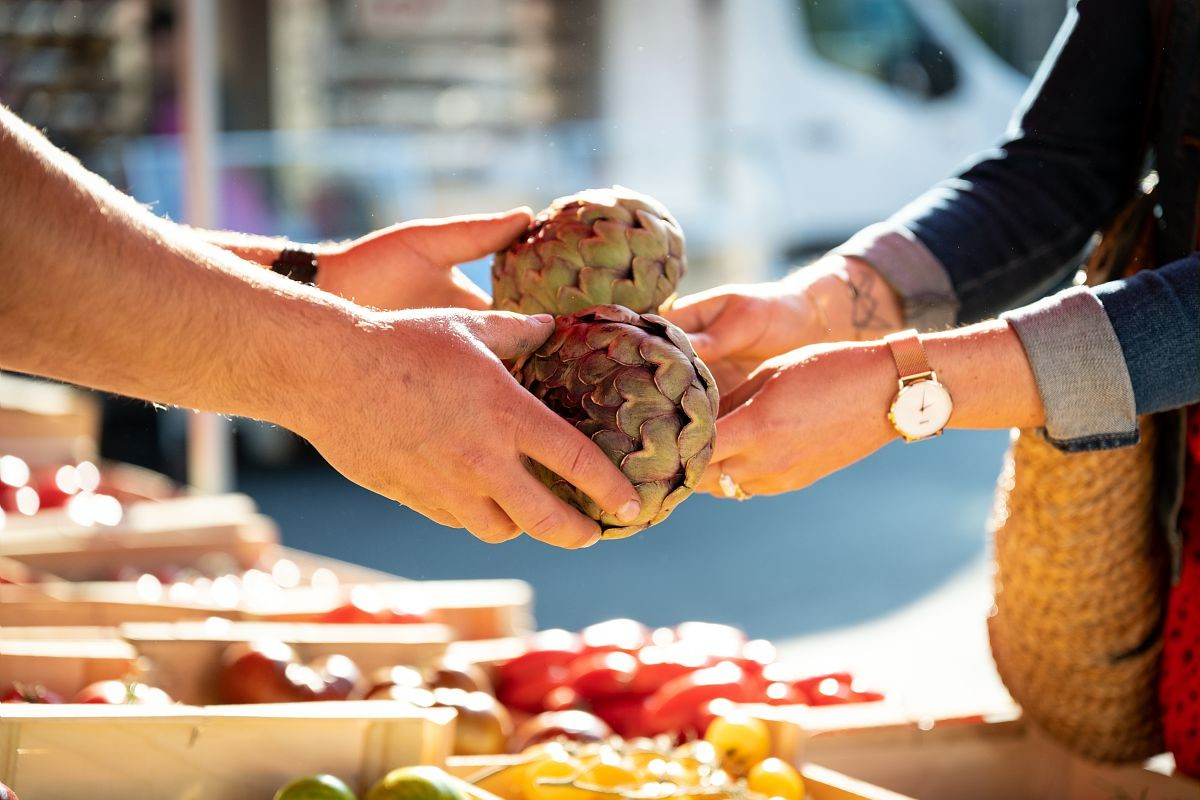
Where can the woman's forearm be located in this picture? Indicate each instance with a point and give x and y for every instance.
(848, 299)
(986, 370)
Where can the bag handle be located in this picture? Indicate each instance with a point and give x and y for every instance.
(1127, 244)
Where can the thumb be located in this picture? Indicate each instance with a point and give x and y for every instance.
(712, 326)
(454, 240)
(511, 336)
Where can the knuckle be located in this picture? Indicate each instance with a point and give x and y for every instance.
(582, 459)
(475, 461)
(548, 524)
(490, 528)
(495, 534)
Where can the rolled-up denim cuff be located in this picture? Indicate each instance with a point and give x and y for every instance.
(911, 269)
(1080, 371)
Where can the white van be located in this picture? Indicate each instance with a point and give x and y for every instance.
(778, 127)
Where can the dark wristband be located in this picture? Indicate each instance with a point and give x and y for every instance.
(298, 264)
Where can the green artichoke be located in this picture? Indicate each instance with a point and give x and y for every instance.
(634, 385)
(596, 247)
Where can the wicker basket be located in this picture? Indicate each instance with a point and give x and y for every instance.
(1081, 584)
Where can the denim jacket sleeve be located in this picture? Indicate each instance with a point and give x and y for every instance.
(1011, 225)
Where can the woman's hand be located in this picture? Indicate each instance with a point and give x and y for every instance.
(811, 412)
(803, 415)
(735, 328)
(413, 264)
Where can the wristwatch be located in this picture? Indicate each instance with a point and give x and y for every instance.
(922, 406)
(297, 263)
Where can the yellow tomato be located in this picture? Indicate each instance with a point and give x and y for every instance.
(509, 783)
(741, 742)
(553, 769)
(775, 778)
(649, 766)
(607, 775)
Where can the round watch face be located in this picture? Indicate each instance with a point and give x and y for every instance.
(921, 409)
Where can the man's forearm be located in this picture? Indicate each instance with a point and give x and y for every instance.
(261, 250)
(98, 291)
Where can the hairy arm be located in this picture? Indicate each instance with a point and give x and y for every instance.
(97, 291)
(408, 265)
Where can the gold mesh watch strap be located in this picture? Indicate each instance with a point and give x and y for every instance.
(909, 354)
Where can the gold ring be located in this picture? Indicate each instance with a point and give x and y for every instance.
(730, 488)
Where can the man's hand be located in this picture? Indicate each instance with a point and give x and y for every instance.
(803, 415)
(413, 264)
(418, 407)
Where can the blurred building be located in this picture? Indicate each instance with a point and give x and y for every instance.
(74, 69)
(768, 133)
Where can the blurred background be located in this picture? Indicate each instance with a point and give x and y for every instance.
(771, 128)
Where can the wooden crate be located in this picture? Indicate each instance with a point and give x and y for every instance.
(185, 657)
(175, 532)
(475, 609)
(821, 783)
(47, 423)
(64, 660)
(980, 756)
(215, 753)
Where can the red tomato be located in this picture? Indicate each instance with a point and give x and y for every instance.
(530, 695)
(578, 726)
(809, 684)
(680, 703)
(340, 675)
(723, 641)
(562, 698)
(755, 656)
(785, 694)
(548, 649)
(831, 692)
(266, 671)
(659, 665)
(19, 500)
(120, 693)
(349, 613)
(628, 635)
(625, 715)
(400, 616)
(602, 674)
(837, 689)
(28, 693)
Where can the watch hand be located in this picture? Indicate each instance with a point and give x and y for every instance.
(922, 400)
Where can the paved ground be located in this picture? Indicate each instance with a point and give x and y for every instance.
(857, 547)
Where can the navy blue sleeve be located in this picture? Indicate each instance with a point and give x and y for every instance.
(1156, 316)
(1009, 227)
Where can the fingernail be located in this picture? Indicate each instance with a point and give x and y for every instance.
(593, 540)
(543, 317)
(629, 511)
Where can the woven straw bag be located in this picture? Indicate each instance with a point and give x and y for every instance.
(1081, 583)
(1081, 567)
